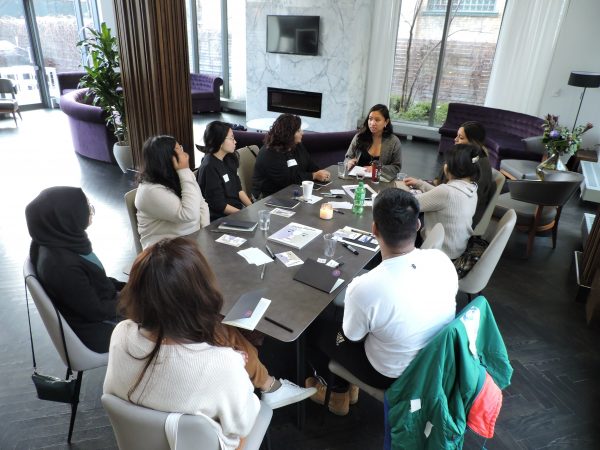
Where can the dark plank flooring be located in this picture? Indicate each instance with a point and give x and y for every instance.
(551, 404)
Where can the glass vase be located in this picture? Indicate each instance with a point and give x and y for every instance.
(552, 162)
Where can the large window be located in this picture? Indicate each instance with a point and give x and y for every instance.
(218, 42)
(444, 53)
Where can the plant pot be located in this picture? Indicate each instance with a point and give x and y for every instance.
(123, 156)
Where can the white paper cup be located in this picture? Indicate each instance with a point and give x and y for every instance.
(307, 188)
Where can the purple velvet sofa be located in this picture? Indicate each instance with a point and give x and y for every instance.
(324, 148)
(68, 81)
(206, 92)
(505, 130)
(91, 137)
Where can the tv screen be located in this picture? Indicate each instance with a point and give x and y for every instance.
(294, 35)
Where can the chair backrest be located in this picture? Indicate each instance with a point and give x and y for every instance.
(477, 278)
(484, 222)
(555, 190)
(132, 213)
(81, 357)
(140, 428)
(7, 87)
(435, 238)
(246, 170)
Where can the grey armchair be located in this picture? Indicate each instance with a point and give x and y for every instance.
(9, 105)
(521, 169)
(484, 222)
(435, 238)
(139, 428)
(80, 358)
(247, 157)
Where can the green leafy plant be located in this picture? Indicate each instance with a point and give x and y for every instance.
(103, 78)
(560, 139)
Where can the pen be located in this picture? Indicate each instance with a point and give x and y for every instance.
(270, 252)
(350, 248)
(224, 231)
(338, 211)
(274, 322)
(262, 273)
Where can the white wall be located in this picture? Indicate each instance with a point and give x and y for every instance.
(578, 49)
(106, 11)
(338, 72)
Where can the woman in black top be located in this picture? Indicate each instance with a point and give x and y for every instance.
(217, 175)
(283, 160)
(66, 266)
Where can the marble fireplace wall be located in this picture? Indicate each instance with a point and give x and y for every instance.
(338, 72)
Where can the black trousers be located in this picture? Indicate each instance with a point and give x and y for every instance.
(326, 341)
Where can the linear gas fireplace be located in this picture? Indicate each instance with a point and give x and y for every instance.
(303, 103)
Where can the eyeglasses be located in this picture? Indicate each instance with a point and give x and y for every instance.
(231, 138)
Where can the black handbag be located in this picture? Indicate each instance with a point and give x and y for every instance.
(49, 387)
(465, 262)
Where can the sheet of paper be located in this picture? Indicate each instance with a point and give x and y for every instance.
(321, 260)
(289, 259)
(234, 241)
(255, 256)
(337, 191)
(283, 212)
(341, 205)
(249, 323)
(312, 200)
(359, 170)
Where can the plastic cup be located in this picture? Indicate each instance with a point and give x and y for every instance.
(341, 169)
(307, 188)
(264, 219)
(330, 244)
(401, 176)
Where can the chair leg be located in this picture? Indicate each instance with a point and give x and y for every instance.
(74, 404)
(15, 119)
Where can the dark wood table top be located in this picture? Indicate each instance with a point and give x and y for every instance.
(293, 304)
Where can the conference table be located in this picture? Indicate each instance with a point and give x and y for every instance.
(293, 304)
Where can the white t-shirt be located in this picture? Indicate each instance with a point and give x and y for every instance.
(400, 306)
(189, 379)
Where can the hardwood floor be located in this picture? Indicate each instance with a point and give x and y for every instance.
(552, 402)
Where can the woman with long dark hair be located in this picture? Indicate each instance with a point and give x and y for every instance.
(68, 268)
(217, 175)
(173, 354)
(283, 160)
(168, 200)
(452, 203)
(376, 141)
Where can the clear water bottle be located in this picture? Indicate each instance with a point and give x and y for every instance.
(359, 199)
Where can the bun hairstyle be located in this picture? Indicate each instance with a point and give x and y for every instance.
(462, 161)
(215, 135)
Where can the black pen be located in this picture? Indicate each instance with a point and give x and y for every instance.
(274, 322)
(270, 252)
(338, 211)
(349, 247)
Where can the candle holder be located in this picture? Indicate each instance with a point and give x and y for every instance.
(326, 211)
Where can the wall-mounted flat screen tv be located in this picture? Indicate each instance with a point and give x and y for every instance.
(294, 35)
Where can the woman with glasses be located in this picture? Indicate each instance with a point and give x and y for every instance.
(67, 267)
(217, 175)
(168, 199)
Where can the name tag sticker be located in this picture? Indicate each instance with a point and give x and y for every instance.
(226, 178)
(415, 405)
(428, 427)
(292, 162)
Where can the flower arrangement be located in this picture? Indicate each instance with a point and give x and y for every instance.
(559, 140)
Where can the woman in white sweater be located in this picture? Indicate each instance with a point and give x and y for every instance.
(453, 203)
(168, 200)
(173, 354)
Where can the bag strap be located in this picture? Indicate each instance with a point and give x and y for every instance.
(60, 325)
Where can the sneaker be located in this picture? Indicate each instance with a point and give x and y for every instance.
(353, 394)
(287, 394)
(339, 402)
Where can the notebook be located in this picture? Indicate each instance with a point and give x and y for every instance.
(358, 238)
(295, 235)
(279, 202)
(248, 310)
(319, 276)
(237, 225)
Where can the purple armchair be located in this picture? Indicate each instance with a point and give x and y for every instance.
(68, 81)
(206, 92)
(325, 148)
(91, 137)
(504, 129)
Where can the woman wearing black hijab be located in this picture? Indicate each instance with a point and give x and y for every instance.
(70, 272)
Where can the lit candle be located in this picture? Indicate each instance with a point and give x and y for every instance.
(326, 211)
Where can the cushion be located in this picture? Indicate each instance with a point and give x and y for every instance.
(519, 168)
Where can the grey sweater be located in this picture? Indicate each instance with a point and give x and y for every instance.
(390, 157)
(452, 204)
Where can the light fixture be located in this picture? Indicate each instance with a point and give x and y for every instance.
(584, 80)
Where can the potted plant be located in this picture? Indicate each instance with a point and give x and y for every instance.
(103, 79)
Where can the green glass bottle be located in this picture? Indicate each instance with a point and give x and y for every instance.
(359, 199)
